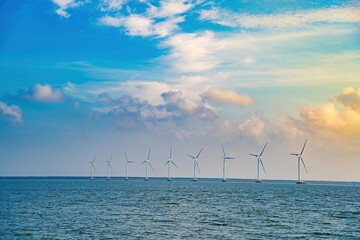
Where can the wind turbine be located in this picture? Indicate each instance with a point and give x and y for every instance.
(196, 163)
(147, 161)
(224, 160)
(169, 162)
(108, 168)
(299, 156)
(92, 167)
(126, 168)
(258, 164)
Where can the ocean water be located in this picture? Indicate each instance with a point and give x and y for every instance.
(83, 209)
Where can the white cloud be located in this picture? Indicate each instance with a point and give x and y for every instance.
(45, 93)
(12, 113)
(138, 25)
(159, 21)
(253, 126)
(169, 8)
(65, 4)
(341, 127)
(350, 98)
(249, 60)
(326, 120)
(155, 21)
(194, 52)
(227, 97)
(332, 15)
(112, 5)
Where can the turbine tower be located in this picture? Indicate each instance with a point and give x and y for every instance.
(299, 156)
(126, 168)
(147, 161)
(224, 160)
(196, 164)
(169, 162)
(108, 168)
(258, 164)
(92, 167)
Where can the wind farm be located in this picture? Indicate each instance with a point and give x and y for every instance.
(224, 157)
(127, 166)
(92, 168)
(196, 169)
(300, 159)
(109, 168)
(259, 160)
(196, 164)
(147, 163)
(169, 162)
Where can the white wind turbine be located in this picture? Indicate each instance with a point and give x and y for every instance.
(224, 160)
(169, 162)
(126, 168)
(196, 163)
(147, 161)
(300, 159)
(258, 164)
(92, 167)
(108, 168)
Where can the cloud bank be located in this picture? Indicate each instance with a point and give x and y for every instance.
(11, 113)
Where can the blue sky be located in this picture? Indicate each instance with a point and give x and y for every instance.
(86, 77)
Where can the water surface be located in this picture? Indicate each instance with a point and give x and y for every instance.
(83, 209)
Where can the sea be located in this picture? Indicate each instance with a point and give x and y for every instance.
(77, 208)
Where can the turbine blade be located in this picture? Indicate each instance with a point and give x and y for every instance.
(229, 158)
(253, 155)
(149, 153)
(166, 163)
(197, 164)
(175, 165)
(295, 154)
(199, 153)
(303, 147)
(126, 157)
(263, 166)
(170, 151)
(191, 156)
(263, 149)
(151, 167)
(110, 157)
(304, 164)
(94, 158)
(131, 161)
(143, 162)
(222, 146)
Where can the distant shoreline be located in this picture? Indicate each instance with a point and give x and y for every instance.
(182, 179)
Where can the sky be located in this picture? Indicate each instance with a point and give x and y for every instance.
(80, 78)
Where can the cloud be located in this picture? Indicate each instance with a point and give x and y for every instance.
(129, 112)
(112, 5)
(350, 98)
(11, 113)
(155, 21)
(65, 4)
(253, 126)
(329, 15)
(326, 120)
(341, 128)
(249, 60)
(138, 25)
(38, 93)
(45, 93)
(227, 97)
(194, 52)
(169, 8)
